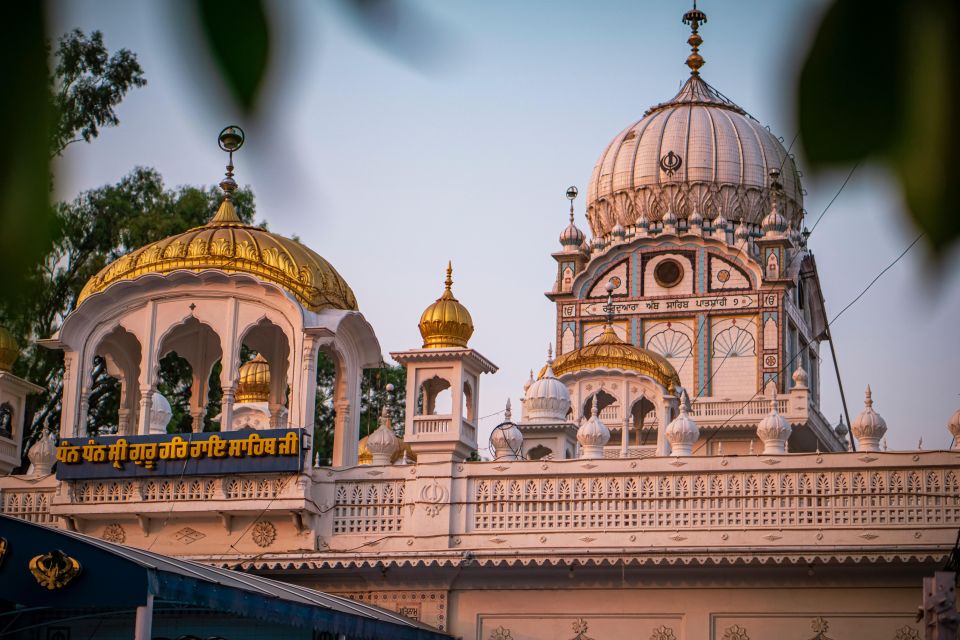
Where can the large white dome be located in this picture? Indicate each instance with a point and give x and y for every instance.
(697, 152)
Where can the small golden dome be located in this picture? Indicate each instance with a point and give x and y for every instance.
(9, 350)
(227, 244)
(254, 382)
(446, 323)
(610, 352)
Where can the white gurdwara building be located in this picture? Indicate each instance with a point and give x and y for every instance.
(670, 476)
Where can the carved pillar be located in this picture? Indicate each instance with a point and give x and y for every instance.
(196, 415)
(123, 419)
(276, 421)
(341, 434)
(625, 437)
(146, 408)
(226, 408)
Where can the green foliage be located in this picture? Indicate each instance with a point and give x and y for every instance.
(875, 86)
(372, 396)
(97, 227)
(86, 86)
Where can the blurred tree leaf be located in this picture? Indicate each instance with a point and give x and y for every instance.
(238, 35)
(26, 221)
(86, 86)
(400, 29)
(876, 84)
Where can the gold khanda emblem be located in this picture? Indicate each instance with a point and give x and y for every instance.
(54, 570)
(4, 545)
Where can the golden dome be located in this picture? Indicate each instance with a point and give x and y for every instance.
(365, 457)
(610, 352)
(446, 323)
(254, 382)
(9, 350)
(227, 244)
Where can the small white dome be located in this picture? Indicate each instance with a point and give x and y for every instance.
(868, 427)
(547, 400)
(954, 426)
(383, 442)
(593, 435)
(160, 413)
(695, 219)
(507, 440)
(669, 219)
(800, 379)
(572, 236)
(643, 222)
(43, 454)
(774, 431)
(741, 231)
(618, 231)
(682, 432)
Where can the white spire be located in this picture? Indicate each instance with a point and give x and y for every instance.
(868, 427)
(683, 432)
(593, 435)
(773, 431)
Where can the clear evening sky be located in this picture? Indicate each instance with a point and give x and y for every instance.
(388, 166)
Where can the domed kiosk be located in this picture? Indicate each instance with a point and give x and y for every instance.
(203, 295)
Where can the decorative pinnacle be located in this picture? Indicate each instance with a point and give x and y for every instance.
(571, 196)
(447, 292)
(610, 287)
(507, 415)
(230, 139)
(695, 18)
(868, 398)
(549, 353)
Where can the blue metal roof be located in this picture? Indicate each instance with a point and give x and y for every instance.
(114, 575)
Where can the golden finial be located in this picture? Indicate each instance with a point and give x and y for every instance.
(230, 140)
(449, 281)
(695, 18)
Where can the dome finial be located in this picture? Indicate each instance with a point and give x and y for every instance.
(230, 140)
(449, 281)
(694, 18)
(549, 353)
(571, 196)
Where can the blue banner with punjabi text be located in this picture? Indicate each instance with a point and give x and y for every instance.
(182, 454)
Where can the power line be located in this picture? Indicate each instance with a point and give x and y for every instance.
(797, 355)
(839, 191)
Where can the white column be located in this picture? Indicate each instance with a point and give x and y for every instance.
(143, 627)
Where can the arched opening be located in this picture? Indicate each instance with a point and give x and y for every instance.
(604, 401)
(434, 397)
(188, 376)
(466, 402)
(643, 416)
(114, 393)
(330, 390)
(539, 452)
(263, 400)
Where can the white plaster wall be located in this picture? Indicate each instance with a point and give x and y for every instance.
(675, 339)
(684, 287)
(733, 357)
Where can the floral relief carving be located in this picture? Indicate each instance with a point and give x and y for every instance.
(907, 632)
(663, 632)
(735, 632)
(114, 533)
(820, 627)
(263, 533)
(580, 629)
(500, 634)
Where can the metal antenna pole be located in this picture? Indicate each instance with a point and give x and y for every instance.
(843, 397)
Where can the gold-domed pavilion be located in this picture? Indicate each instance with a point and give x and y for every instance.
(608, 351)
(254, 382)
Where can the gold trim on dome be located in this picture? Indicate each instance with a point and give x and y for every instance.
(446, 323)
(54, 570)
(610, 352)
(253, 384)
(226, 244)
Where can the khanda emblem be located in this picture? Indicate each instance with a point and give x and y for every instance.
(670, 163)
(54, 570)
(4, 545)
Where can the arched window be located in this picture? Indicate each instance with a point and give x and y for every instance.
(6, 420)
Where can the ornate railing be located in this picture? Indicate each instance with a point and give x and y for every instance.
(28, 504)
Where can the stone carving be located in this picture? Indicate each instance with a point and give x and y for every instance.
(580, 629)
(435, 496)
(735, 632)
(188, 535)
(907, 633)
(500, 634)
(820, 628)
(263, 533)
(663, 632)
(114, 533)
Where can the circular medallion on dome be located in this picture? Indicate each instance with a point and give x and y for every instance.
(668, 273)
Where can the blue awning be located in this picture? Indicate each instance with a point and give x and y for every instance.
(113, 575)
